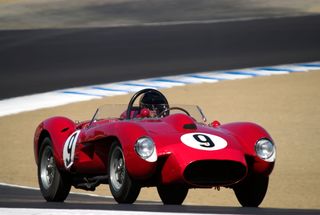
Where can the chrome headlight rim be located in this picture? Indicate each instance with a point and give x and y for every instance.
(265, 150)
(146, 148)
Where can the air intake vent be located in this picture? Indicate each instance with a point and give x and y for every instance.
(214, 173)
(191, 126)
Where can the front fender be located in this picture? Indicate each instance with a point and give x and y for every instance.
(58, 129)
(248, 134)
(128, 133)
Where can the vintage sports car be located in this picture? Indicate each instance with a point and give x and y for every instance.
(151, 143)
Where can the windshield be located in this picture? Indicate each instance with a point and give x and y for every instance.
(118, 111)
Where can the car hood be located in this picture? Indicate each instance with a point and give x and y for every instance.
(187, 147)
(181, 130)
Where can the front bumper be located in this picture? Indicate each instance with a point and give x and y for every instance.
(205, 169)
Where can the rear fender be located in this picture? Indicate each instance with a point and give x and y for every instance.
(58, 129)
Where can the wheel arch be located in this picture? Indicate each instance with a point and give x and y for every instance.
(108, 141)
(58, 130)
(44, 134)
(127, 134)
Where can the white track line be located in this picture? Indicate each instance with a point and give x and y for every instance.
(31, 211)
(36, 188)
(209, 21)
(34, 211)
(71, 95)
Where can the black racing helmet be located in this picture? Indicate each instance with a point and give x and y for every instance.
(155, 101)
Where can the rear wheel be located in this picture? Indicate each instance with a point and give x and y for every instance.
(54, 185)
(172, 194)
(123, 188)
(251, 192)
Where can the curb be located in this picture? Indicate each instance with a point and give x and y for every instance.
(66, 96)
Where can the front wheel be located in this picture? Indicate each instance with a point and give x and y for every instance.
(123, 188)
(251, 192)
(54, 185)
(172, 194)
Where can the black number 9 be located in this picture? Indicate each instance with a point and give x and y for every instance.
(69, 148)
(207, 142)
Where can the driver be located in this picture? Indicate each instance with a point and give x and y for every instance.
(154, 103)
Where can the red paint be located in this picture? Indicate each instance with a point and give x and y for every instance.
(174, 157)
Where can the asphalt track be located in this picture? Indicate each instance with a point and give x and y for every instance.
(34, 61)
(14, 197)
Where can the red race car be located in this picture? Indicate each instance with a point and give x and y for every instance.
(152, 143)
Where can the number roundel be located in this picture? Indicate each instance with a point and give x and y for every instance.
(204, 141)
(69, 148)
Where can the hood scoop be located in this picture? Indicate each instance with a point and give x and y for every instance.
(190, 126)
(180, 122)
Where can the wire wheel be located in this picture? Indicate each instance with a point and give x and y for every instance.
(47, 168)
(117, 169)
(54, 185)
(123, 188)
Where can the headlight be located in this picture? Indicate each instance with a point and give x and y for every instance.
(266, 150)
(145, 148)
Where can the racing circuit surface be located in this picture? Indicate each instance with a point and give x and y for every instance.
(33, 61)
(15, 197)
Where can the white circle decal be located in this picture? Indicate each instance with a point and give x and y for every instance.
(204, 141)
(69, 149)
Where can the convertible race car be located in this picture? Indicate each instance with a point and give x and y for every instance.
(151, 143)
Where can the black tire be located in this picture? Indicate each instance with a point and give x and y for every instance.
(251, 192)
(172, 194)
(123, 188)
(54, 185)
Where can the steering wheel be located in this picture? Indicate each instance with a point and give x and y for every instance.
(136, 95)
(174, 108)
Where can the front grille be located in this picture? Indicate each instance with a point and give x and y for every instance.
(214, 172)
